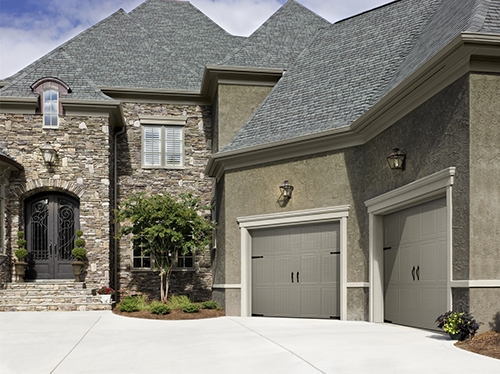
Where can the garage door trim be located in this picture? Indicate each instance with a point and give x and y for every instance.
(329, 214)
(422, 190)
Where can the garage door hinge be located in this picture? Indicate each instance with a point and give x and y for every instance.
(257, 257)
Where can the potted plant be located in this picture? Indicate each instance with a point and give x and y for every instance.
(106, 293)
(21, 254)
(459, 325)
(79, 253)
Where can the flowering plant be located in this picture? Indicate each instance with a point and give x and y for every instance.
(105, 291)
(458, 323)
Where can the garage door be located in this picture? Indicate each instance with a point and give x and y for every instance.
(415, 265)
(295, 271)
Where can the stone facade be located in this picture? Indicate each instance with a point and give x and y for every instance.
(132, 178)
(82, 170)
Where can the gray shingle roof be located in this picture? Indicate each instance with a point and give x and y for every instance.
(354, 63)
(278, 42)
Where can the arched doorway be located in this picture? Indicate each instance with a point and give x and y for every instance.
(52, 220)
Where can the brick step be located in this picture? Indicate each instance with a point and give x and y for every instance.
(61, 285)
(50, 299)
(54, 307)
(52, 295)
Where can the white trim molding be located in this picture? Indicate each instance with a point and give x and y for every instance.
(227, 286)
(420, 191)
(476, 283)
(336, 213)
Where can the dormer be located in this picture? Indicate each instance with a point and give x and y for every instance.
(49, 91)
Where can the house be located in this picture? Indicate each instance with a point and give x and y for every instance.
(144, 101)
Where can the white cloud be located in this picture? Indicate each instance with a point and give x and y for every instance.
(28, 36)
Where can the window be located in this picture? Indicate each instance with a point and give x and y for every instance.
(163, 142)
(186, 261)
(141, 261)
(50, 108)
(49, 91)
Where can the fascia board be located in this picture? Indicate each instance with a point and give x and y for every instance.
(143, 95)
(18, 105)
(94, 108)
(444, 68)
(9, 164)
(215, 75)
(162, 120)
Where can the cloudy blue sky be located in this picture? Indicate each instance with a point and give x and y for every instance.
(31, 28)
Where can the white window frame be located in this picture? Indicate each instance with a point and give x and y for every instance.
(52, 115)
(163, 123)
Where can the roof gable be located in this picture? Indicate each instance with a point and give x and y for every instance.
(278, 42)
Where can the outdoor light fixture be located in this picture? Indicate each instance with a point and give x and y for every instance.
(49, 154)
(396, 159)
(286, 190)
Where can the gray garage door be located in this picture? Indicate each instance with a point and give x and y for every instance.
(415, 264)
(295, 271)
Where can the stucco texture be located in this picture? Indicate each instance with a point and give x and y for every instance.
(485, 177)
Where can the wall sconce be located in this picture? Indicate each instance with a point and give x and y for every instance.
(286, 190)
(396, 159)
(48, 153)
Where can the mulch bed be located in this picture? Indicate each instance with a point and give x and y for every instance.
(175, 314)
(487, 344)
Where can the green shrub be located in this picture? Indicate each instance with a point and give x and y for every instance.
(21, 254)
(79, 242)
(142, 302)
(193, 308)
(129, 305)
(209, 304)
(21, 243)
(20, 234)
(176, 302)
(157, 307)
(79, 233)
(79, 253)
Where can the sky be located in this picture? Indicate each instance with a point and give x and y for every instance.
(30, 29)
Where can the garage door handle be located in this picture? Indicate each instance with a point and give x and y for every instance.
(413, 273)
(297, 277)
(418, 272)
(292, 276)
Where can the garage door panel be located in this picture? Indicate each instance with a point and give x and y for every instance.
(330, 268)
(262, 271)
(282, 266)
(415, 270)
(308, 257)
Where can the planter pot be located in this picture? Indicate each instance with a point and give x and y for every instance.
(78, 270)
(105, 299)
(20, 270)
(459, 336)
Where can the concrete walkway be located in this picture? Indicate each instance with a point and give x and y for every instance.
(101, 342)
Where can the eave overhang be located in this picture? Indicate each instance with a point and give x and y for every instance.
(468, 52)
(6, 163)
(212, 77)
(18, 105)
(95, 108)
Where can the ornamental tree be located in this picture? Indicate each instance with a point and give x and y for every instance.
(164, 228)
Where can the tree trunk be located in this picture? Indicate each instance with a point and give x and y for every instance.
(162, 289)
(167, 283)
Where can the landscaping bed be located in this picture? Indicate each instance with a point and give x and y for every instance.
(486, 344)
(177, 308)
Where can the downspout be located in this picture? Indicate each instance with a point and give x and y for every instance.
(117, 226)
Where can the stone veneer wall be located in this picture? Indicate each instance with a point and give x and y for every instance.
(82, 170)
(133, 178)
(5, 249)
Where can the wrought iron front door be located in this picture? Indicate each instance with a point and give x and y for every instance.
(51, 223)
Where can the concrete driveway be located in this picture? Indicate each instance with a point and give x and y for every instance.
(101, 342)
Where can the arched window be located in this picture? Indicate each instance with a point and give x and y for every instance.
(50, 107)
(50, 90)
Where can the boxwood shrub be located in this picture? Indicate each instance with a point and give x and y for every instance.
(209, 304)
(193, 308)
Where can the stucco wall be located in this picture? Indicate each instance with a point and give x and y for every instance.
(132, 178)
(485, 177)
(485, 197)
(235, 104)
(434, 136)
